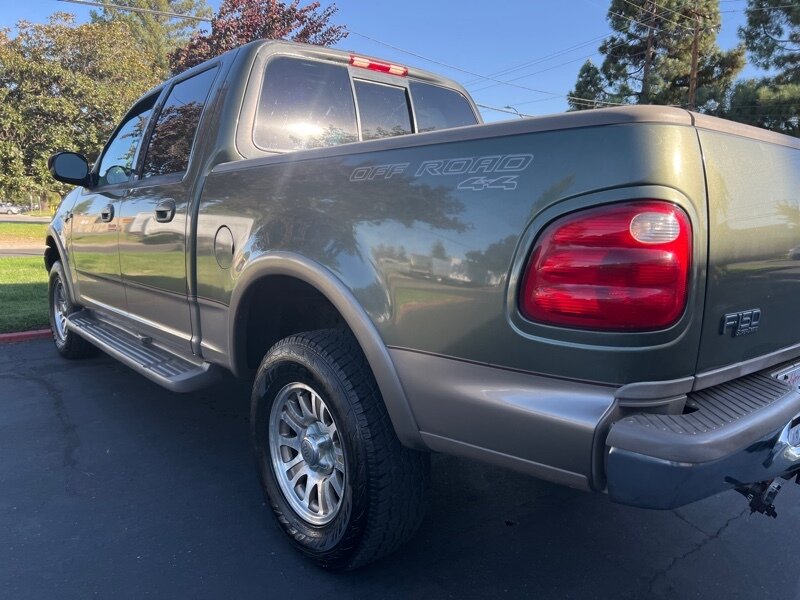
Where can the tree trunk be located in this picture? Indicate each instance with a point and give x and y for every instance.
(693, 73)
(648, 58)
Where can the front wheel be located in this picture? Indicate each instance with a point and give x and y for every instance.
(341, 485)
(68, 343)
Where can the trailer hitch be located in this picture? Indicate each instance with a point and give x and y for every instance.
(761, 496)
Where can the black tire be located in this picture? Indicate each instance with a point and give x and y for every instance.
(386, 487)
(68, 344)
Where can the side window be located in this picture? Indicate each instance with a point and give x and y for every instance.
(383, 110)
(116, 164)
(304, 104)
(173, 135)
(440, 108)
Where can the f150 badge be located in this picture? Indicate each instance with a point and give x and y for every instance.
(499, 171)
(740, 323)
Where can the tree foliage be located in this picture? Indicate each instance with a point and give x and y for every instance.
(765, 104)
(648, 57)
(772, 37)
(63, 87)
(590, 85)
(241, 21)
(157, 36)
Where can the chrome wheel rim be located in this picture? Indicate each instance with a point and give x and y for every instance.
(60, 311)
(307, 454)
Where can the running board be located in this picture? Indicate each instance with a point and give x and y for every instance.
(169, 370)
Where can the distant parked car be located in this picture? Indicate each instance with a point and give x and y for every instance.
(9, 209)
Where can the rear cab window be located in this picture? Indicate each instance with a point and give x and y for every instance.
(309, 103)
(304, 104)
(383, 110)
(438, 107)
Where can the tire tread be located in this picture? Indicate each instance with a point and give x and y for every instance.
(397, 477)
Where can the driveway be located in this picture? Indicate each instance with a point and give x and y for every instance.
(113, 488)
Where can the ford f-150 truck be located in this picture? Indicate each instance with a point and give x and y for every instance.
(605, 299)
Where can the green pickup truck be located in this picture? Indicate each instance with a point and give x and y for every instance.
(605, 299)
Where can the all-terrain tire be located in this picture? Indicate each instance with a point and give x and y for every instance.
(386, 484)
(68, 343)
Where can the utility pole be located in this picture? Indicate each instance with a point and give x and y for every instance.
(648, 57)
(695, 52)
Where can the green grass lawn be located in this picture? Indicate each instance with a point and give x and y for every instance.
(23, 294)
(20, 234)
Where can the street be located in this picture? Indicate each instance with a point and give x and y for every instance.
(112, 487)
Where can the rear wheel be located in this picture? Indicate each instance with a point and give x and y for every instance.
(68, 344)
(341, 485)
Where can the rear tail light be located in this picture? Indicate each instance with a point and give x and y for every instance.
(378, 65)
(618, 267)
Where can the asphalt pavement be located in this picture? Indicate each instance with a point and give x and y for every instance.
(111, 487)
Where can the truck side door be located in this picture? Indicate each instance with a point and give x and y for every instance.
(96, 214)
(155, 213)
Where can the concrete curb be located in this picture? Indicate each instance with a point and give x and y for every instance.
(25, 336)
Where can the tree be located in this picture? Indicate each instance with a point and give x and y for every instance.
(772, 37)
(241, 21)
(589, 90)
(666, 52)
(764, 104)
(439, 251)
(62, 88)
(156, 35)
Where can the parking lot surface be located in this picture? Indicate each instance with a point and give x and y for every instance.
(111, 487)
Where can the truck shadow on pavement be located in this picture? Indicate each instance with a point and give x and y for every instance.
(115, 487)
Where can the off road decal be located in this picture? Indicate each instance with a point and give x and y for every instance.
(479, 169)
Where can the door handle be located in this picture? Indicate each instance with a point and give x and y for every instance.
(107, 214)
(165, 211)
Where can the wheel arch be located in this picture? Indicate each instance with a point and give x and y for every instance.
(299, 268)
(53, 252)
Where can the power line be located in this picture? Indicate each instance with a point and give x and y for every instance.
(151, 11)
(437, 62)
(503, 110)
(758, 9)
(662, 18)
(455, 68)
(569, 49)
(625, 43)
(446, 65)
(553, 67)
(540, 59)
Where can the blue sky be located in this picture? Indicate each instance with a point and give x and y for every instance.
(477, 37)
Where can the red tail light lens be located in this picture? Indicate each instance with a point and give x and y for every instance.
(619, 267)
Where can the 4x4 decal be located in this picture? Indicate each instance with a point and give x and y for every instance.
(477, 167)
